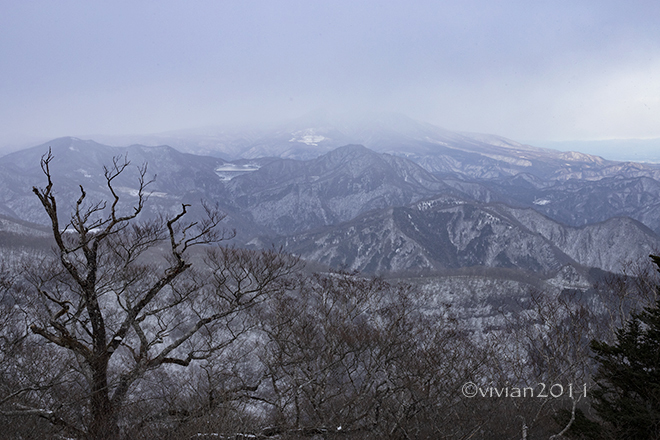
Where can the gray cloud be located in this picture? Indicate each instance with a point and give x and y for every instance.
(548, 70)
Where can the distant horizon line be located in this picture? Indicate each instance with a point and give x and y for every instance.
(602, 146)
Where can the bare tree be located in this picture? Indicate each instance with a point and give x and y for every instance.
(354, 357)
(121, 298)
(545, 348)
(30, 370)
(625, 293)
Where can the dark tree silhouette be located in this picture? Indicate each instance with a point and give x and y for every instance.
(121, 299)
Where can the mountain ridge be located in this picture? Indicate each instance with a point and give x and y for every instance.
(448, 233)
(269, 198)
(438, 150)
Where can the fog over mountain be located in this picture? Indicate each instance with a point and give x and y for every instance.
(385, 194)
(436, 149)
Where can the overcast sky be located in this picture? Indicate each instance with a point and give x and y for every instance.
(527, 70)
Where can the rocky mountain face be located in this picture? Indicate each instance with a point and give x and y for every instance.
(581, 203)
(573, 202)
(289, 196)
(605, 245)
(449, 233)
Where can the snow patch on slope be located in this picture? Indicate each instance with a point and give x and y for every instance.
(307, 137)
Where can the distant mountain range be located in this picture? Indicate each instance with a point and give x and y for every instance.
(437, 150)
(385, 195)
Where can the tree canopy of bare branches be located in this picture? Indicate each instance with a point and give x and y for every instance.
(121, 297)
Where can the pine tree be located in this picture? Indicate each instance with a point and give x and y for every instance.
(627, 396)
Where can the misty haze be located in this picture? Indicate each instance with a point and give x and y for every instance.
(289, 220)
